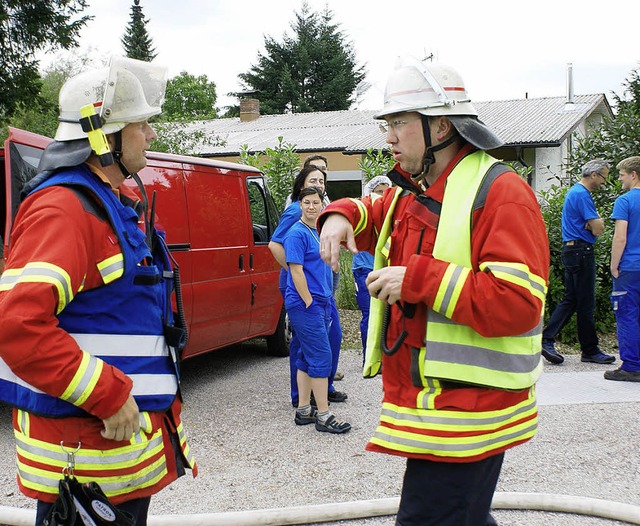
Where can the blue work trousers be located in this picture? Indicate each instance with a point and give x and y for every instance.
(312, 327)
(579, 296)
(625, 301)
(335, 341)
(363, 298)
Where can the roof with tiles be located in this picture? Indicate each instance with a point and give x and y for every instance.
(522, 122)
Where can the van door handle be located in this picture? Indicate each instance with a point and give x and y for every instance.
(251, 261)
(241, 262)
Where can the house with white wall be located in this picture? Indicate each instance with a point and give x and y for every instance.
(537, 132)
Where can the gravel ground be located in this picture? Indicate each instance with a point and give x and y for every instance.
(252, 456)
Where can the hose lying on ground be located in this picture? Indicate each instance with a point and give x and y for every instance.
(364, 509)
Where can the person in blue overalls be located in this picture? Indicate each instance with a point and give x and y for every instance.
(308, 303)
(581, 226)
(625, 269)
(307, 177)
(363, 263)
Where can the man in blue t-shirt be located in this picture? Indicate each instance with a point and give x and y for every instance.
(625, 269)
(581, 225)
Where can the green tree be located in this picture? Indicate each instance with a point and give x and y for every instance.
(181, 138)
(314, 70)
(279, 165)
(616, 139)
(27, 27)
(190, 98)
(41, 114)
(136, 41)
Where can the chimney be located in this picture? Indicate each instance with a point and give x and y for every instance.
(569, 103)
(249, 110)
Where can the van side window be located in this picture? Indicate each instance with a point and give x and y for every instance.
(263, 217)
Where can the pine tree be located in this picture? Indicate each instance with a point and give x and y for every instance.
(27, 27)
(136, 41)
(314, 70)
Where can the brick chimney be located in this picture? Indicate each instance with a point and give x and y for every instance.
(249, 110)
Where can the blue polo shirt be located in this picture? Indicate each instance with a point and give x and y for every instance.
(362, 260)
(577, 210)
(627, 208)
(288, 218)
(302, 246)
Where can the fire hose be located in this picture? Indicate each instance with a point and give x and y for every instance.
(365, 509)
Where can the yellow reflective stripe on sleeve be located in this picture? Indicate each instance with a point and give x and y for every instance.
(84, 381)
(450, 287)
(111, 268)
(362, 220)
(426, 398)
(518, 274)
(40, 272)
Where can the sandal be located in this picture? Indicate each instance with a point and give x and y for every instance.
(303, 420)
(331, 425)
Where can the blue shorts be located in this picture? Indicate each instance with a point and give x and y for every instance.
(311, 326)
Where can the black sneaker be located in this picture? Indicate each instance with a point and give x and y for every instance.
(550, 354)
(303, 420)
(620, 375)
(331, 425)
(337, 396)
(598, 357)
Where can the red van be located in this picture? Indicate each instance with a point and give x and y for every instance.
(218, 218)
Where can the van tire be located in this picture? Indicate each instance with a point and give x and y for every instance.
(278, 342)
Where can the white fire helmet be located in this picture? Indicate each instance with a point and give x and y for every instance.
(435, 89)
(127, 91)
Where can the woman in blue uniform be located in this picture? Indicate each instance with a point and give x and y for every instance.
(308, 300)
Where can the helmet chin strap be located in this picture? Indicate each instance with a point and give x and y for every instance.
(429, 154)
(117, 154)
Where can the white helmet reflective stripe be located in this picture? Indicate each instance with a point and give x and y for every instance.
(127, 91)
(430, 89)
(434, 89)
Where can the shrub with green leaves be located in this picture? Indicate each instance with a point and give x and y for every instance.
(376, 162)
(551, 205)
(279, 165)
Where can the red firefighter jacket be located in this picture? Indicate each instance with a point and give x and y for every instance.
(447, 421)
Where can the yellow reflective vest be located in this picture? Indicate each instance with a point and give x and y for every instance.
(454, 351)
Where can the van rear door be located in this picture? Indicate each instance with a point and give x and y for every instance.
(220, 277)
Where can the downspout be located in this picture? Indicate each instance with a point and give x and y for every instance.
(520, 158)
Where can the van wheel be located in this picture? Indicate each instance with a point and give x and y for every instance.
(278, 342)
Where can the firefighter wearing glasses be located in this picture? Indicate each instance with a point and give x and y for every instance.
(459, 284)
(88, 344)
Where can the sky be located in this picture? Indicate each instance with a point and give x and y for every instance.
(503, 49)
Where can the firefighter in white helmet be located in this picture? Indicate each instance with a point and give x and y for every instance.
(459, 284)
(85, 306)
